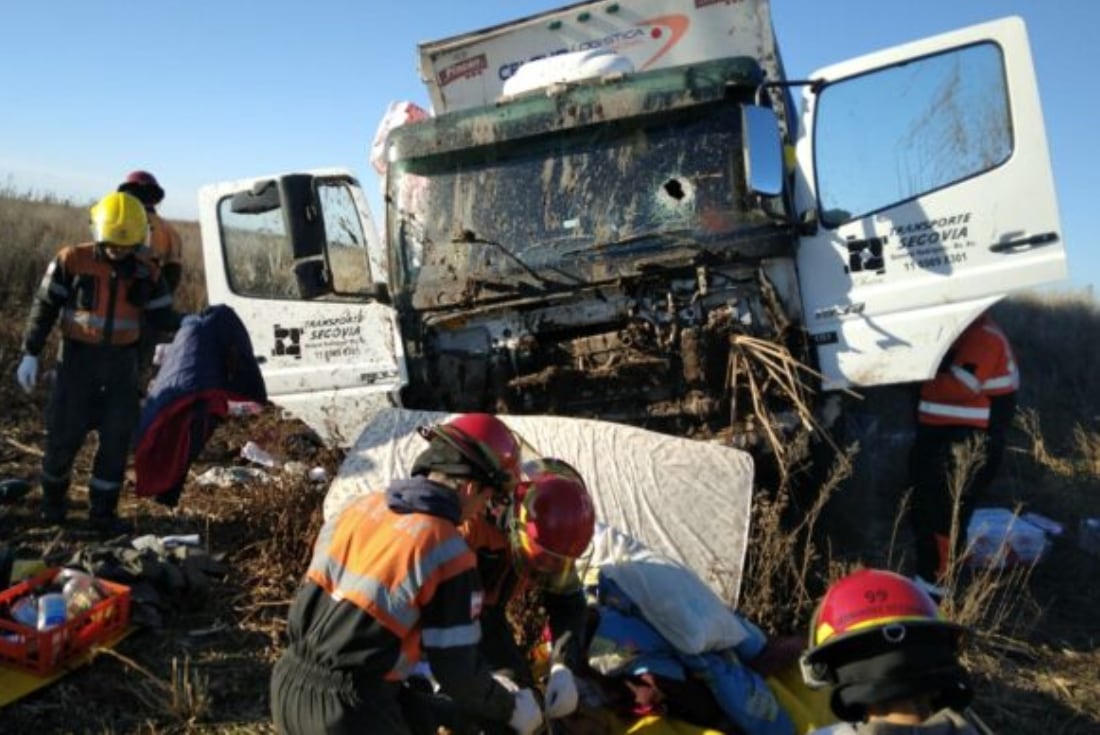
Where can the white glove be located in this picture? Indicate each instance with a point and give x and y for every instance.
(189, 319)
(27, 373)
(507, 683)
(527, 716)
(561, 692)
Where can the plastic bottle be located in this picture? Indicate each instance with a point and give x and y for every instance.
(51, 610)
(25, 611)
(255, 453)
(80, 592)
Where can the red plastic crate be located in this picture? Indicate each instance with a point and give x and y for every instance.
(43, 652)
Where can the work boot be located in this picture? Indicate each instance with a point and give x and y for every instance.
(103, 514)
(55, 501)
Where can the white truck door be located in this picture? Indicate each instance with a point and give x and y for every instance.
(925, 167)
(298, 258)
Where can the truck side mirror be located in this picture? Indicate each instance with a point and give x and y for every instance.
(262, 197)
(763, 150)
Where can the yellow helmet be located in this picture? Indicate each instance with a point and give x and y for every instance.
(119, 219)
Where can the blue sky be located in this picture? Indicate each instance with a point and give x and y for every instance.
(203, 91)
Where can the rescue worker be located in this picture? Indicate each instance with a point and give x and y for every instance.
(164, 240)
(877, 639)
(100, 290)
(166, 248)
(971, 399)
(391, 579)
(530, 539)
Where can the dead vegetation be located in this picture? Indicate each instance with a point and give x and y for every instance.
(1034, 651)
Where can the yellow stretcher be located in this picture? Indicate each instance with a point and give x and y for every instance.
(808, 708)
(16, 684)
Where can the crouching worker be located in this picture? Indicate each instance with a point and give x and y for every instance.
(528, 539)
(892, 662)
(391, 579)
(101, 291)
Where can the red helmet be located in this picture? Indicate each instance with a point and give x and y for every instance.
(144, 186)
(486, 442)
(553, 519)
(877, 636)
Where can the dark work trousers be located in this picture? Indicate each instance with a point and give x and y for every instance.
(307, 699)
(95, 390)
(932, 463)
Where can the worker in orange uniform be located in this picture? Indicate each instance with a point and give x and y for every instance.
(391, 580)
(166, 248)
(892, 662)
(527, 539)
(101, 290)
(164, 241)
(972, 397)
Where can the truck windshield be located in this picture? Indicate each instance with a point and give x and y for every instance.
(584, 203)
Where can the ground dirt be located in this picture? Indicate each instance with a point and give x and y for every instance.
(207, 669)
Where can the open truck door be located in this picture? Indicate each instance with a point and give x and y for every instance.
(924, 178)
(298, 258)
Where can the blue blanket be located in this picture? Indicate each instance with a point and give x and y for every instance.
(208, 364)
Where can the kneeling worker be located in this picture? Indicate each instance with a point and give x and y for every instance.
(391, 578)
(878, 640)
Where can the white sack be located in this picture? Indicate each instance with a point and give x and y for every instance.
(671, 598)
(687, 500)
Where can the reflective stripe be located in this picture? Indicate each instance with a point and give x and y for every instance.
(966, 378)
(53, 478)
(401, 668)
(159, 303)
(397, 606)
(399, 603)
(87, 319)
(458, 635)
(1008, 381)
(962, 412)
(104, 485)
(320, 546)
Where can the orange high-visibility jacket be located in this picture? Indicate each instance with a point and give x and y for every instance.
(99, 301)
(978, 366)
(164, 241)
(389, 565)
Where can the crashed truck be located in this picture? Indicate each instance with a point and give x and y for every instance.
(613, 223)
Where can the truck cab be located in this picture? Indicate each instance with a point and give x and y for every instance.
(663, 242)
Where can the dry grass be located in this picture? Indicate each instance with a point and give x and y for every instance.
(1035, 651)
(785, 571)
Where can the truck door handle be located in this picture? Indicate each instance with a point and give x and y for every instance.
(1034, 241)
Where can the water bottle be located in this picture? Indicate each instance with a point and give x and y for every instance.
(25, 611)
(51, 610)
(80, 592)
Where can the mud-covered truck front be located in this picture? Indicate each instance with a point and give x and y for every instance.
(614, 212)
